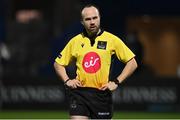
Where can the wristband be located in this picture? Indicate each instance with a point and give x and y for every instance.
(66, 81)
(116, 81)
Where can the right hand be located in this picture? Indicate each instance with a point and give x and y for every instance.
(74, 83)
(110, 85)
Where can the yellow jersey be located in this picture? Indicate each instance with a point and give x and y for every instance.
(93, 61)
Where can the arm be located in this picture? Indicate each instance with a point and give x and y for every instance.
(61, 72)
(128, 70)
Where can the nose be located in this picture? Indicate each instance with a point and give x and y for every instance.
(92, 21)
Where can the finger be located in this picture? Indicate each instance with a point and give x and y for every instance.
(111, 89)
(79, 83)
(103, 88)
(74, 86)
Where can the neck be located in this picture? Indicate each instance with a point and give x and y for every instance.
(94, 34)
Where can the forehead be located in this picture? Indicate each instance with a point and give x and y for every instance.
(90, 11)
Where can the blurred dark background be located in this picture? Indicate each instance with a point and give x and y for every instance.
(33, 32)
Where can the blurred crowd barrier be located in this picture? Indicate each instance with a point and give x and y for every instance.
(141, 94)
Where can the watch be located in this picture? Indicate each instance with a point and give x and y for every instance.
(116, 81)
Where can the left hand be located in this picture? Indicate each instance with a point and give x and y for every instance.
(110, 85)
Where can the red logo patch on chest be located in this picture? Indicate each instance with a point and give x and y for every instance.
(91, 62)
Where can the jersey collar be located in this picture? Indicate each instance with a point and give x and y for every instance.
(86, 35)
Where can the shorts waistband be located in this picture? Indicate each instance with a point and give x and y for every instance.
(91, 89)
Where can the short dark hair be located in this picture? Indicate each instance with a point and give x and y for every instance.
(87, 6)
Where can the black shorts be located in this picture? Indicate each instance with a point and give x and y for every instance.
(91, 102)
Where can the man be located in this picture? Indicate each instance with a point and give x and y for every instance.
(90, 92)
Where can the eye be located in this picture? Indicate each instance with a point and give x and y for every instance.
(87, 19)
(95, 17)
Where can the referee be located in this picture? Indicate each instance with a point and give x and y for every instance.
(90, 95)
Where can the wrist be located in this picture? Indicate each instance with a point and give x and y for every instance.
(116, 81)
(65, 82)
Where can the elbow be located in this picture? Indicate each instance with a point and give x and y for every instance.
(134, 64)
(56, 65)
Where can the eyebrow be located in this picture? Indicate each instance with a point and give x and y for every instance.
(89, 18)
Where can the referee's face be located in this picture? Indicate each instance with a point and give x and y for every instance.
(91, 20)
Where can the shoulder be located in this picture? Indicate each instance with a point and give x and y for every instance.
(111, 35)
(76, 38)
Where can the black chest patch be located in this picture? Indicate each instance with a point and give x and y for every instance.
(101, 45)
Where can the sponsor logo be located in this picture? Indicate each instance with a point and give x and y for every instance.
(103, 113)
(73, 104)
(91, 62)
(102, 45)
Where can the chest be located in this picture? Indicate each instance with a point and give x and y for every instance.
(99, 46)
